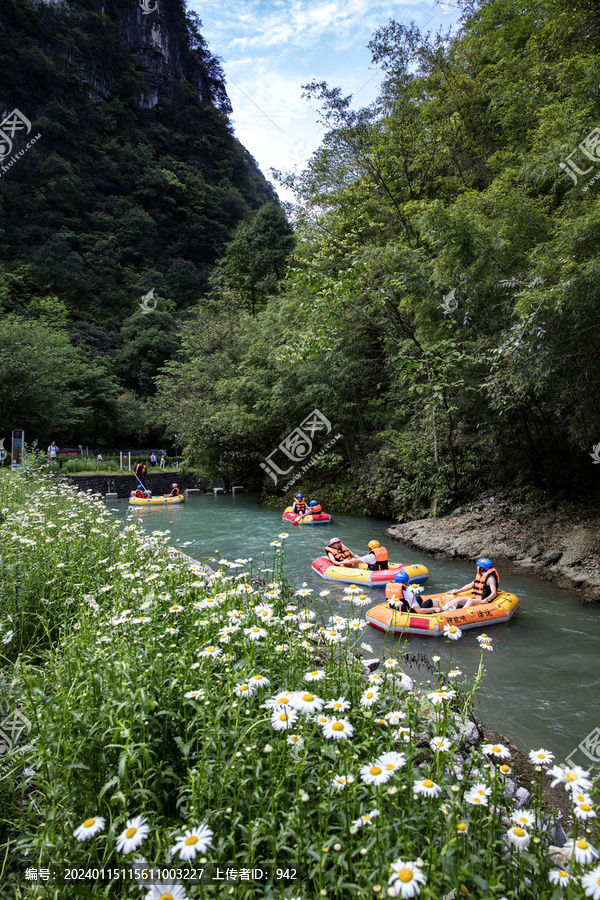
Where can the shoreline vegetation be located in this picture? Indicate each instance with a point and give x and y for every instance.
(184, 719)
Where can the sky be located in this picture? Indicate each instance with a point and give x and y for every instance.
(270, 48)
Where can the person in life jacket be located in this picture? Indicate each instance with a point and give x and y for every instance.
(484, 587)
(142, 495)
(315, 508)
(402, 598)
(340, 554)
(140, 473)
(299, 505)
(174, 491)
(377, 558)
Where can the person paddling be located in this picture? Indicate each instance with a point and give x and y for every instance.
(299, 508)
(484, 586)
(140, 473)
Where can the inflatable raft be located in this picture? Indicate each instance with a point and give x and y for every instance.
(363, 575)
(320, 519)
(157, 501)
(386, 618)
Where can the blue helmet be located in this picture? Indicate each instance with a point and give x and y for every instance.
(401, 577)
(313, 503)
(485, 563)
(298, 496)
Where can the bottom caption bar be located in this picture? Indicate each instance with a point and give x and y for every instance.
(151, 875)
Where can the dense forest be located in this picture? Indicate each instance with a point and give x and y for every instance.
(436, 299)
(135, 185)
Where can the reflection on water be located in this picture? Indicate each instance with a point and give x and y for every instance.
(541, 687)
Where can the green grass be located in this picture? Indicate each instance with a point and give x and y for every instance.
(103, 636)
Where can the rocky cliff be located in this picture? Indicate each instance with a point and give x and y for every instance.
(555, 546)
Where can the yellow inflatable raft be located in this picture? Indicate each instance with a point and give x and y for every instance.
(363, 575)
(385, 618)
(157, 501)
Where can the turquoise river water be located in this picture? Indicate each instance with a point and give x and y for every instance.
(541, 687)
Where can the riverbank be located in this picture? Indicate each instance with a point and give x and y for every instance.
(559, 547)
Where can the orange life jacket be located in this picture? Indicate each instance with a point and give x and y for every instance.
(139, 493)
(140, 470)
(395, 591)
(299, 506)
(316, 510)
(481, 588)
(339, 554)
(381, 558)
(174, 492)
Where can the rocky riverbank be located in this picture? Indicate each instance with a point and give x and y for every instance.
(559, 547)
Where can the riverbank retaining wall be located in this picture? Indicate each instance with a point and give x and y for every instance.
(122, 485)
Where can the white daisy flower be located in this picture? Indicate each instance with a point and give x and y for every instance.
(391, 761)
(367, 819)
(390, 663)
(372, 773)
(133, 835)
(476, 798)
(340, 705)
(295, 740)
(259, 680)
(440, 744)
(89, 828)
(280, 699)
(427, 787)
(583, 852)
(193, 841)
(333, 637)
(574, 778)
(584, 811)
(356, 624)
(283, 718)
(369, 697)
(540, 757)
(255, 633)
(560, 878)
(315, 675)
(452, 632)
(454, 673)
(361, 600)
(406, 879)
(499, 751)
(303, 592)
(324, 593)
(351, 589)
(306, 703)
(281, 648)
(212, 652)
(340, 782)
(376, 679)
(438, 697)
(366, 647)
(164, 891)
(519, 837)
(338, 729)
(283, 535)
(194, 695)
(590, 882)
(523, 817)
(243, 690)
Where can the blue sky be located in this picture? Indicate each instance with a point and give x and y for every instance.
(270, 48)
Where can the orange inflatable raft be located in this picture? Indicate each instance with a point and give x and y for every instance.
(386, 618)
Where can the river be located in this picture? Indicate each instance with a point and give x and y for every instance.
(541, 686)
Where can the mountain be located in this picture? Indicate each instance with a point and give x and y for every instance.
(136, 180)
